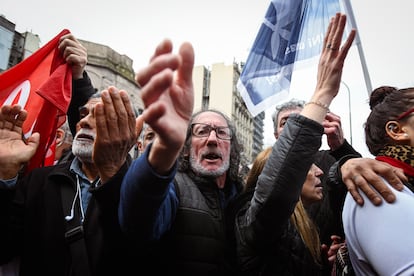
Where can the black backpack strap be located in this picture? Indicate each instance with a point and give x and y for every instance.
(74, 234)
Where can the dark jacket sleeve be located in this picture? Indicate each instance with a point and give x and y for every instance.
(107, 195)
(148, 201)
(17, 223)
(329, 212)
(82, 89)
(6, 196)
(344, 149)
(280, 183)
(335, 176)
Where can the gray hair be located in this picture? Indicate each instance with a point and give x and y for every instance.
(289, 105)
(68, 138)
(141, 134)
(235, 148)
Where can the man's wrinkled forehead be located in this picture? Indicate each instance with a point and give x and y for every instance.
(89, 106)
(210, 118)
(285, 113)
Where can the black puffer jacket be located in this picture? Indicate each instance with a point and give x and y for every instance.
(267, 244)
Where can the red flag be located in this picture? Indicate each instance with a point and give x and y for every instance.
(42, 85)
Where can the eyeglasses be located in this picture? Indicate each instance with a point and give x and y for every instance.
(405, 114)
(203, 130)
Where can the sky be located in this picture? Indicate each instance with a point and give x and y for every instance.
(224, 31)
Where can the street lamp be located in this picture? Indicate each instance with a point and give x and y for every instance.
(349, 110)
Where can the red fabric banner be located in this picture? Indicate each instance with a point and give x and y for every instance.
(42, 85)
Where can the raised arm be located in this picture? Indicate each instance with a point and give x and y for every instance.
(279, 186)
(167, 92)
(76, 56)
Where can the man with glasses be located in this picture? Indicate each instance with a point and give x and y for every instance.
(174, 197)
(184, 211)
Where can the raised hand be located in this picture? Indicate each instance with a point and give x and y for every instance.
(333, 56)
(333, 130)
(330, 68)
(167, 92)
(15, 151)
(115, 132)
(74, 53)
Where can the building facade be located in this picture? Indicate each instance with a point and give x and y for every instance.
(106, 68)
(15, 46)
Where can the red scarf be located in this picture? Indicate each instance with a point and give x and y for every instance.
(402, 160)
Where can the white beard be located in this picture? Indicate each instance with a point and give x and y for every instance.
(83, 149)
(200, 170)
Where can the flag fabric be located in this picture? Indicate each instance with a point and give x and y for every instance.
(42, 85)
(290, 37)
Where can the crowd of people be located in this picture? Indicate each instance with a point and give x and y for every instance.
(180, 204)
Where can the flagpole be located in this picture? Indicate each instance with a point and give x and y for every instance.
(350, 14)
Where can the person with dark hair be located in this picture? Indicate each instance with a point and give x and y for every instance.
(63, 219)
(379, 238)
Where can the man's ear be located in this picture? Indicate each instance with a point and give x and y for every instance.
(140, 146)
(60, 136)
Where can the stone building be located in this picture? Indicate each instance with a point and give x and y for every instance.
(107, 67)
